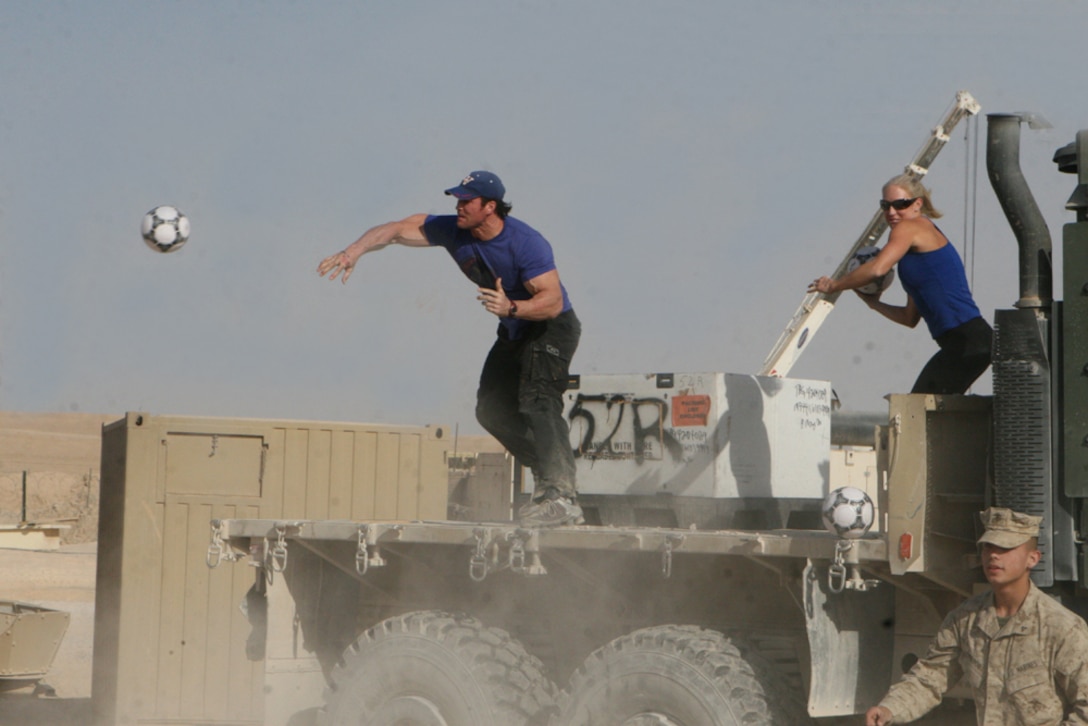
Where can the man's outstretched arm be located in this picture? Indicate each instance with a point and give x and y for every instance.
(408, 232)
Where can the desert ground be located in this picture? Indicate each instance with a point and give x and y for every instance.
(59, 580)
(57, 456)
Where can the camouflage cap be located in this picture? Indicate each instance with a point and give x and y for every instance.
(1006, 528)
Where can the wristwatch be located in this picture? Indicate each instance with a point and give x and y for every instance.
(513, 309)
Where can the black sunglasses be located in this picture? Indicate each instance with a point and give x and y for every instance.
(899, 204)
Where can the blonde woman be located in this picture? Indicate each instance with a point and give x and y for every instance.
(932, 274)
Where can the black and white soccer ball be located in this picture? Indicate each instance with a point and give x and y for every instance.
(848, 512)
(165, 228)
(880, 284)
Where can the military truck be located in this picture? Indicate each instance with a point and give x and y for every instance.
(703, 589)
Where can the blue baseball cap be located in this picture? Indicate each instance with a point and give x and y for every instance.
(478, 184)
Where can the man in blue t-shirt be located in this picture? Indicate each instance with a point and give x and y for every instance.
(520, 398)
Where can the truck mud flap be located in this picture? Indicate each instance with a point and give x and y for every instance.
(851, 638)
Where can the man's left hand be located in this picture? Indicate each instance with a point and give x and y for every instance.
(494, 301)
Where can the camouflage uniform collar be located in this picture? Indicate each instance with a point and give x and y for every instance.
(1017, 624)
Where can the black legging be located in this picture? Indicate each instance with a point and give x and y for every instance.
(965, 353)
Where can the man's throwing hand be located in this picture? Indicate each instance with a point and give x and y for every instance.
(494, 301)
(341, 262)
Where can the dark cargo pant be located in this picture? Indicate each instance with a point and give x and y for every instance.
(520, 399)
(964, 355)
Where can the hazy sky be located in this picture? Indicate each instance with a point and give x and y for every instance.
(694, 164)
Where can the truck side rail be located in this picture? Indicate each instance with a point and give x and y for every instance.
(808, 544)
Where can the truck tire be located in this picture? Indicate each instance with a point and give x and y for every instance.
(675, 675)
(432, 668)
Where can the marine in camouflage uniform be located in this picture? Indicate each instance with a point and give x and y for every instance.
(1024, 656)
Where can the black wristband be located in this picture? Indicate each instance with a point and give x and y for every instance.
(513, 309)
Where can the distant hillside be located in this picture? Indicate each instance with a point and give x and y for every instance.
(59, 455)
(59, 442)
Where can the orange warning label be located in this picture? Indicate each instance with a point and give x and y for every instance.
(690, 410)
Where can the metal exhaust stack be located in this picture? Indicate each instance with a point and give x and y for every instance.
(1023, 361)
(1003, 166)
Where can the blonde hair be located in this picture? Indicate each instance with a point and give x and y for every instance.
(915, 189)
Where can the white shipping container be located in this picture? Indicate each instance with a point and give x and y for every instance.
(722, 435)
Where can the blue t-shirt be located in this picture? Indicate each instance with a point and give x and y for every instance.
(937, 283)
(519, 253)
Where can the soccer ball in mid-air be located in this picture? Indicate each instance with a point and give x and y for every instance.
(165, 228)
(848, 512)
(880, 284)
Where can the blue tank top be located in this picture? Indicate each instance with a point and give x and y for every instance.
(937, 283)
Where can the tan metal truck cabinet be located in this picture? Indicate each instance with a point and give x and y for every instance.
(170, 641)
